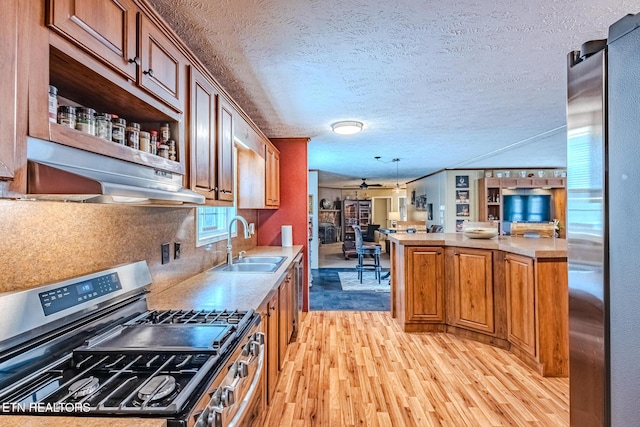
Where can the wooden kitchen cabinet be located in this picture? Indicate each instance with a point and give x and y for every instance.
(272, 191)
(521, 320)
(224, 151)
(258, 169)
(473, 298)
(419, 288)
(203, 134)
(538, 312)
(104, 28)
(272, 346)
(285, 316)
(211, 141)
(9, 88)
(108, 30)
(163, 67)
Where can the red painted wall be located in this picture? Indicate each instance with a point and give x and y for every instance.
(293, 203)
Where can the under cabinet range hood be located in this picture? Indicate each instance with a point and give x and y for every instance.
(60, 172)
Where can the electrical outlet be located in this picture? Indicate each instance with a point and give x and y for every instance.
(166, 253)
(176, 250)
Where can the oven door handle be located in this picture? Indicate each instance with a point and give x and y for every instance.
(255, 383)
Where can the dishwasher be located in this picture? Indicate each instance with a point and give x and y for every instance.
(298, 292)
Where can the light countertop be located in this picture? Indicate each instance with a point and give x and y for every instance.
(214, 290)
(545, 247)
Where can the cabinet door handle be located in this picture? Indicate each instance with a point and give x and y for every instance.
(456, 253)
(149, 72)
(440, 253)
(214, 189)
(135, 60)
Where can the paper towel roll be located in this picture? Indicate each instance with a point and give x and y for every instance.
(287, 236)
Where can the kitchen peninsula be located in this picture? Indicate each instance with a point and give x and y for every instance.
(510, 292)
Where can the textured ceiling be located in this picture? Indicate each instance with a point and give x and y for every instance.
(452, 84)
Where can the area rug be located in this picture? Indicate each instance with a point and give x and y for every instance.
(349, 282)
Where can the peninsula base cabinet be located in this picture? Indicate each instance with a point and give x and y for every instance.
(537, 313)
(419, 285)
(472, 289)
(492, 296)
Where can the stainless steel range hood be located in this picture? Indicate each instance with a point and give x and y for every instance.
(60, 172)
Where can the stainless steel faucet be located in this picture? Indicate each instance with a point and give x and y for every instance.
(247, 234)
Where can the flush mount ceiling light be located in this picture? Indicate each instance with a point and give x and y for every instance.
(346, 127)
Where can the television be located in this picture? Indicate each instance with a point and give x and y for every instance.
(525, 208)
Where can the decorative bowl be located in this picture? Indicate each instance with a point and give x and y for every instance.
(480, 230)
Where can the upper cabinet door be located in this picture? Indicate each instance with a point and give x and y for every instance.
(162, 65)
(106, 28)
(272, 186)
(8, 88)
(225, 150)
(202, 116)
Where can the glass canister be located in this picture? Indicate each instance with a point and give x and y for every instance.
(118, 127)
(103, 126)
(145, 141)
(172, 150)
(165, 133)
(153, 141)
(53, 104)
(133, 135)
(85, 120)
(163, 151)
(67, 116)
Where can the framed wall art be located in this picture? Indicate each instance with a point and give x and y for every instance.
(462, 196)
(462, 181)
(421, 202)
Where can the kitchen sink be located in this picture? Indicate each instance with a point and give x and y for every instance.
(260, 260)
(252, 264)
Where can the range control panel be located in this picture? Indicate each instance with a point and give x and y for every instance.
(68, 296)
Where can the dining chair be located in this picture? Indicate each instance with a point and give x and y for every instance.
(369, 250)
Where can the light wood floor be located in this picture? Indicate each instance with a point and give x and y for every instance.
(360, 369)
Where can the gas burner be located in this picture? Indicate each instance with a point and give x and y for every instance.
(84, 387)
(157, 388)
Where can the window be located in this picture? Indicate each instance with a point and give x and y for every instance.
(211, 224)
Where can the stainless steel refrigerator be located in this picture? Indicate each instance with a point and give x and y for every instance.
(603, 228)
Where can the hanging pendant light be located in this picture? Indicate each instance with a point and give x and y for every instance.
(397, 189)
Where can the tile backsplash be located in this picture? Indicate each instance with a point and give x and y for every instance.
(44, 242)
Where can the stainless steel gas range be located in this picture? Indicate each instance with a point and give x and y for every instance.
(89, 346)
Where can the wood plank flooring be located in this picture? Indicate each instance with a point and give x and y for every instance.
(360, 369)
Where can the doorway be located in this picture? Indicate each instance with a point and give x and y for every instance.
(381, 208)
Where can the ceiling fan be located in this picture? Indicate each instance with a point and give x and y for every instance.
(364, 184)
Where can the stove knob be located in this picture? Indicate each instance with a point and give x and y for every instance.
(254, 348)
(215, 419)
(233, 370)
(216, 398)
(259, 337)
(228, 396)
(243, 369)
(246, 349)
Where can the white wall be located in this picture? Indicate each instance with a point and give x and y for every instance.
(440, 189)
(314, 205)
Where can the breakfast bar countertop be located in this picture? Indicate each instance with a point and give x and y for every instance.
(544, 247)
